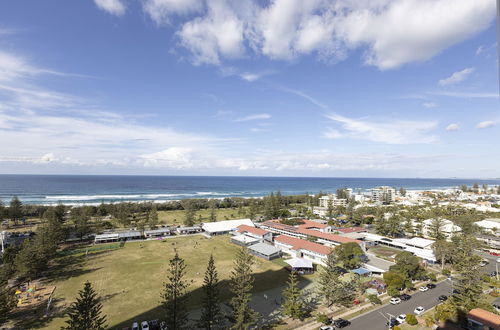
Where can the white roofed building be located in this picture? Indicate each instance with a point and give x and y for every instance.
(225, 227)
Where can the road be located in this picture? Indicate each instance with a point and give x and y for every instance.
(491, 267)
(374, 321)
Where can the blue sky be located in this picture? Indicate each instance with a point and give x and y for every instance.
(386, 88)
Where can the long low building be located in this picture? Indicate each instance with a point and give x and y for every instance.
(264, 250)
(302, 248)
(225, 227)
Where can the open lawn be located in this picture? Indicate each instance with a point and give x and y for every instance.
(177, 217)
(130, 279)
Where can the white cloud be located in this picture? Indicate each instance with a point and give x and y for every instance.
(260, 116)
(254, 76)
(331, 133)
(113, 7)
(456, 77)
(390, 132)
(174, 157)
(453, 127)
(160, 10)
(393, 32)
(486, 124)
(481, 95)
(430, 105)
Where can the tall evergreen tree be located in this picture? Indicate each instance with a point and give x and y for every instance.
(190, 212)
(153, 217)
(211, 316)
(293, 305)
(328, 275)
(241, 284)
(213, 211)
(86, 312)
(174, 295)
(15, 210)
(435, 229)
(7, 303)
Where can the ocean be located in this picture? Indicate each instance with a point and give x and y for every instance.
(94, 189)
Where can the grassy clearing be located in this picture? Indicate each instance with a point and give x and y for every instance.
(177, 217)
(130, 279)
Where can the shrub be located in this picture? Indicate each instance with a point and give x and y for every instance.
(322, 318)
(396, 327)
(446, 272)
(374, 299)
(392, 291)
(432, 277)
(411, 319)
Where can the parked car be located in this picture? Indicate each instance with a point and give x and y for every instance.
(493, 274)
(144, 325)
(423, 289)
(456, 291)
(135, 326)
(485, 262)
(495, 254)
(395, 301)
(419, 310)
(154, 325)
(392, 323)
(442, 298)
(341, 323)
(405, 297)
(498, 259)
(431, 285)
(401, 318)
(326, 327)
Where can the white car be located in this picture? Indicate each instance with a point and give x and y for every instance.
(395, 301)
(326, 327)
(401, 318)
(135, 326)
(423, 288)
(145, 325)
(498, 259)
(419, 310)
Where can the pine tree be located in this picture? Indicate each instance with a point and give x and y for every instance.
(153, 217)
(294, 303)
(328, 275)
(174, 295)
(7, 303)
(213, 211)
(190, 212)
(211, 316)
(15, 209)
(241, 284)
(435, 229)
(86, 312)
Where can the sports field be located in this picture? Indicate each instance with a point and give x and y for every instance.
(130, 278)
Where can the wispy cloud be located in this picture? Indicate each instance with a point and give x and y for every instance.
(113, 7)
(462, 94)
(260, 116)
(453, 127)
(456, 77)
(429, 105)
(390, 132)
(486, 124)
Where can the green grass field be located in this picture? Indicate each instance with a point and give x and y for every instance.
(130, 279)
(177, 217)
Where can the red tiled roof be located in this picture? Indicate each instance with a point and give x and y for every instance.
(298, 243)
(278, 225)
(486, 318)
(312, 224)
(248, 229)
(350, 230)
(327, 236)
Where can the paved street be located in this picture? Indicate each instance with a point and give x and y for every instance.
(375, 321)
(491, 267)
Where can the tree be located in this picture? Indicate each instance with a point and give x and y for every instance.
(395, 282)
(241, 284)
(190, 212)
(402, 191)
(475, 188)
(153, 217)
(329, 209)
(7, 303)
(211, 316)
(213, 211)
(331, 288)
(464, 188)
(408, 266)
(393, 226)
(294, 303)
(349, 254)
(15, 209)
(435, 229)
(174, 294)
(443, 251)
(86, 312)
(411, 319)
(252, 210)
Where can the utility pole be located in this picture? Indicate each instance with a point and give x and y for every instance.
(2, 238)
(388, 319)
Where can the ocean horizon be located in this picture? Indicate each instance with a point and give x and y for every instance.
(96, 189)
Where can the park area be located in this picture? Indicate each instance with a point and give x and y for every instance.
(130, 278)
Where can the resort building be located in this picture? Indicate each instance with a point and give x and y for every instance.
(384, 195)
(326, 201)
(302, 248)
(225, 227)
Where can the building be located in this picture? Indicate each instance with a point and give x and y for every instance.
(328, 239)
(244, 240)
(383, 195)
(265, 251)
(188, 230)
(448, 228)
(490, 226)
(301, 248)
(258, 233)
(225, 227)
(326, 201)
(106, 238)
(480, 319)
(160, 232)
(315, 225)
(281, 229)
(491, 241)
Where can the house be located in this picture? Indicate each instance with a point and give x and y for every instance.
(490, 226)
(258, 233)
(480, 319)
(265, 251)
(225, 227)
(301, 248)
(448, 228)
(490, 240)
(188, 230)
(160, 232)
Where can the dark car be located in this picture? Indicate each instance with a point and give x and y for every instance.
(405, 297)
(154, 325)
(431, 285)
(392, 323)
(341, 323)
(442, 298)
(456, 291)
(493, 274)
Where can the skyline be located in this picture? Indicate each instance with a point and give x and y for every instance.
(162, 87)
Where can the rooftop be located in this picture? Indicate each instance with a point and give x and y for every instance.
(298, 243)
(253, 230)
(227, 225)
(264, 248)
(327, 236)
(485, 317)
